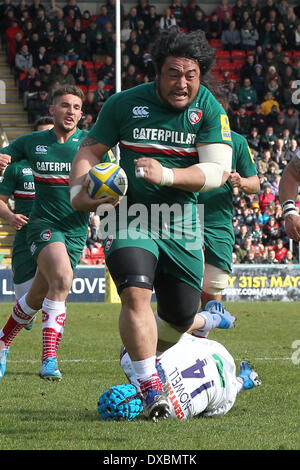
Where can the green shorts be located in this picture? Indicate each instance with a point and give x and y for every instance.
(23, 264)
(218, 246)
(41, 234)
(178, 258)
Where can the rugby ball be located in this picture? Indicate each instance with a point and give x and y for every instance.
(107, 179)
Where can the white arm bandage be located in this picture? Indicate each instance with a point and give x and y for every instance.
(74, 191)
(214, 160)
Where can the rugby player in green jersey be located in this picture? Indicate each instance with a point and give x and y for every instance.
(18, 182)
(288, 190)
(174, 141)
(218, 213)
(56, 234)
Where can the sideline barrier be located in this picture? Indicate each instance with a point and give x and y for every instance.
(246, 283)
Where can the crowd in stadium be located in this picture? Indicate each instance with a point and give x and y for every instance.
(257, 60)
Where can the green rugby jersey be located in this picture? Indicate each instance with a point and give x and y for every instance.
(51, 163)
(218, 203)
(18, 182)
(145, 127)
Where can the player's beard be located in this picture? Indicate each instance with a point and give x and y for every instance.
(167, 103)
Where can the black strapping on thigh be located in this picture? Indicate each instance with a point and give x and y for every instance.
(132, 267)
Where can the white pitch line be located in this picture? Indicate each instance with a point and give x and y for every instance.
(30, 361)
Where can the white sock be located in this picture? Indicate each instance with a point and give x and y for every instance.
(145, 368)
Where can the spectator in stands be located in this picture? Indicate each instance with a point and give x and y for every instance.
(125, 31)
(271, 257)
(230, 37)
(238, 10)
(94, 240)
(251, 258)
(241, 122)
(241, 235)
(90, 105)
(274, 87)
(275, 185)
(97, 46)
(178, 10)
(223, 8)
(151, 19)
(72, 5)
(258, 81)
(291, 151)
(247, 95)
(41, 59)
(34, 8)
(280, 250)
(40, 21)
(76, 29)
(289, 258)
(51, 10)
(268, 103)
(272, 172)
(106, 72)
(69, 49)
(242, 249)
(85, 20)
(247, 69)
(291, 120)
(82, 48)
(248, 216)
(259, 120)
(214, 28)
(47, 77)
(267, 36)
(130, 78)
(136, 57)
(133, 18)
(38, 106)
(256, 232)
(269, 140)
(64, 77)
(23, 60)
(249, 36)
(168, 19)
(279, 125)
(265, 197)
(232, 96)
(197, 21)
(254, 141)
(80, 73)
(263, 163)
(101, 94)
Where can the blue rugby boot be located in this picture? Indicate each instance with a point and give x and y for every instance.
(248, 375)
(49, 369)
(3, 354)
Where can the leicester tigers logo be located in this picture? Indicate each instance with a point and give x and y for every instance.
(194, 115)
(46, 235)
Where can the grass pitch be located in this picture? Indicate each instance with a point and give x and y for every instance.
(41, 415)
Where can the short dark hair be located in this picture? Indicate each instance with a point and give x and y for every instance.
(68, 90)
(42, 121)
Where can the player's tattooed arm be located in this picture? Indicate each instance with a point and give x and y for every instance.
(88, 141)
